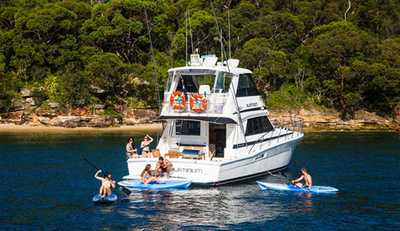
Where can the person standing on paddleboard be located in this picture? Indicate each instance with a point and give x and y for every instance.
(107, 183)
(305, 177)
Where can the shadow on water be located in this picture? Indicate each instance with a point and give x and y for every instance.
(47, 186)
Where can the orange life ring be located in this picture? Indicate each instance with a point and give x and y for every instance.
(198, 103)
(178, 101)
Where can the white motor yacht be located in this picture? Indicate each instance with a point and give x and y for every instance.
(216, 126)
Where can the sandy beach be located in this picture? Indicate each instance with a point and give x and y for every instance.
(139, 128)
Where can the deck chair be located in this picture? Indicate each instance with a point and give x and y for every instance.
(156, 153)
(173, 154)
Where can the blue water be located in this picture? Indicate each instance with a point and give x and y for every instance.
(45, 185)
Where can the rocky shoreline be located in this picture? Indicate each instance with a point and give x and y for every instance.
(314, 121)
(26, 113)
(79, 118)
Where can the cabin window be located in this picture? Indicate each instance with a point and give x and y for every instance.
(258, 125)
(187, 128)
(223, 82)
(246, 86)
(192, 83)
(186, 84)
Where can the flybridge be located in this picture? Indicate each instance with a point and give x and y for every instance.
(211, 61)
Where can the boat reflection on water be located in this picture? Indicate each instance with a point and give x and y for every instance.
(212, 206)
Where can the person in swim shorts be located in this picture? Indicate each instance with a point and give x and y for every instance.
(304, 181)
(163, 166)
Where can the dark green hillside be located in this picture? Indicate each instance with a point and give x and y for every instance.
(303, 53)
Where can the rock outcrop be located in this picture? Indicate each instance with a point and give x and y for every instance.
(53, 115)
(331, 120)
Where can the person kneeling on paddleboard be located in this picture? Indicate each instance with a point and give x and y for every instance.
(147, 176)
(107, 183)
(306, 177)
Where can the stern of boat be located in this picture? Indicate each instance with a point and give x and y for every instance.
(196, 171)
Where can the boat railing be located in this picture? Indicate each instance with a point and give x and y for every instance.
(215, 103)
(286, 127)
(291, 123)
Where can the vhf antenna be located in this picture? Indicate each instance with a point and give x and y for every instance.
(229, 28)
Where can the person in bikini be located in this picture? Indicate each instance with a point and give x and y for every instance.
(147, 176)
(163, 166)
(304, 181)
(130, 148)
(107, 183)
(145, 145)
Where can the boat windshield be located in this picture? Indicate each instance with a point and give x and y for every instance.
(204, 83)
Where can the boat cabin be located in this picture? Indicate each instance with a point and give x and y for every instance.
(203, 107)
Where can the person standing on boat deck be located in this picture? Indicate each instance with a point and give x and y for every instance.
(163, 166)
(306, 177)
(130, 148)
(181, 87)
(107, 183)
(145, 145)
(146, 175)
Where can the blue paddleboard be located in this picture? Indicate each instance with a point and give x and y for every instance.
(99, 200)
(293, 188)
(157, 185)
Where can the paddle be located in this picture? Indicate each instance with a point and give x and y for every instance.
(123, 189)
(90, 163)
(283, 175)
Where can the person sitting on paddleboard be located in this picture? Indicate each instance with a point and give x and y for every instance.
(306, 177)
(130, 148)
(146, 175)
(163, 166)
(107, 183)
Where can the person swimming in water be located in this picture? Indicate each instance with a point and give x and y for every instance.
(107, 183)
(305, 177)
(146, 175)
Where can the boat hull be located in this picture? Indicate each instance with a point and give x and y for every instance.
(219, 172)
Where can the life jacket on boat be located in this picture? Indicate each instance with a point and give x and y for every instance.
(178, 101)
(198, 103)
